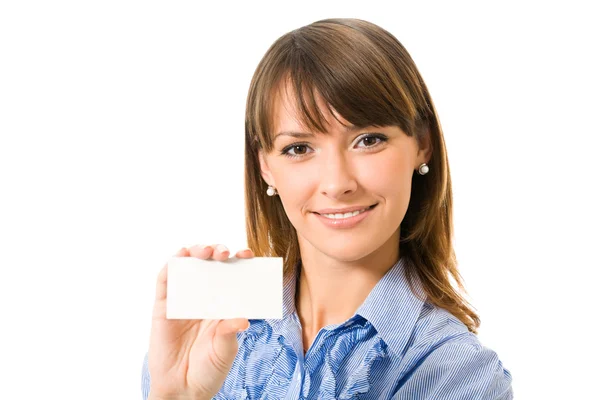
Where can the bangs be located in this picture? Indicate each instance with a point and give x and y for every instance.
(356, 77)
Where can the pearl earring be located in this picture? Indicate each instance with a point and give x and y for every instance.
(271, 191)
(423, 169)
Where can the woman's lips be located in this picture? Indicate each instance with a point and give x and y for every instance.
(345, 223)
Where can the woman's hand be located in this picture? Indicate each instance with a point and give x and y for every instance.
(190, 359)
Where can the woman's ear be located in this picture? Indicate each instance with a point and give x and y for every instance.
(425, 150)
(265, 172)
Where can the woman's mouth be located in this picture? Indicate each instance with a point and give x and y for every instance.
(346, 220)
(348, 214)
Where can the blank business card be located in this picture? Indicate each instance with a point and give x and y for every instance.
(236, 288)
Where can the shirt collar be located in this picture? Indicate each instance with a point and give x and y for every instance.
(390, 307)
(289, 291)
(289, 300)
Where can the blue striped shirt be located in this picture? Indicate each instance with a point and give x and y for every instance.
(394, 347)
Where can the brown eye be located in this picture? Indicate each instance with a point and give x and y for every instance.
(295, 150)
(370, 140)
(303, 151)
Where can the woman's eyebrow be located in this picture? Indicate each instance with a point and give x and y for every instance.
(294, 134)
(348, 129)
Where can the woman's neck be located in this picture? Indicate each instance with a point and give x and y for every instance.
(329, 291)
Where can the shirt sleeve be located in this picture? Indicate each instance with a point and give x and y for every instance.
(145, 378)
(457, 371)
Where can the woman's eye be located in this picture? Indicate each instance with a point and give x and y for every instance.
(295, 150)
(299, 149)
(372, 140)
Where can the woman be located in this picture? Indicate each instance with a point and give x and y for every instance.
(347, 179)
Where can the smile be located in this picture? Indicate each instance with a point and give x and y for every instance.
(346, 220)
(346, 215)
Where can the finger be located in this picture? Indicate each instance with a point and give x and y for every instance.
(161, 281)
(230, 326)
(201, 251)
(183, 252)
(245, 253)
(225, 342)
(221, 252)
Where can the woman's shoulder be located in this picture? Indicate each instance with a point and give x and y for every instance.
(445, 353)
(437, 327)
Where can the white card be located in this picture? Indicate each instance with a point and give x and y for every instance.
(235, 288)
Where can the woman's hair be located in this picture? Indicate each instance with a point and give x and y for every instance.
(366, 75)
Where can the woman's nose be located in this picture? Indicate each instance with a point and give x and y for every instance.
(337, 178)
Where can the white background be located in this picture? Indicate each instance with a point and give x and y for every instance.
(121, 140)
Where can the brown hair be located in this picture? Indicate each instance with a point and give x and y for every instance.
(366, 75)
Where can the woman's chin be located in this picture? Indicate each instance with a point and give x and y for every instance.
(347, 251)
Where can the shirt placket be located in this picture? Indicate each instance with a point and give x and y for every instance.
(295, 338)
(315, 348)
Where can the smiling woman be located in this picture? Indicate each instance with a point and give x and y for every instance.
(336, 77)
(347, 179)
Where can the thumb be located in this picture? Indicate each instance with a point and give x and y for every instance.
(225, 342)
(231, 326)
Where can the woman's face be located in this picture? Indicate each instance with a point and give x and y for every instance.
(371, 166)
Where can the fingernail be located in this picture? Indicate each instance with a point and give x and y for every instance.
(222, 248)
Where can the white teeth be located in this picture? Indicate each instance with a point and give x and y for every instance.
(341, 216)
